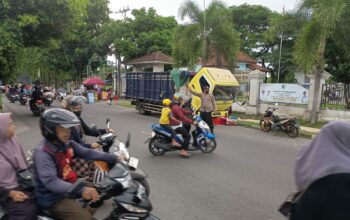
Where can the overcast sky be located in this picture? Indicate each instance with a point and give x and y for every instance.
(170, 7)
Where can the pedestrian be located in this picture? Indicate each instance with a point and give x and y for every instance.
(18, 204)
(208, 106)
(322, 174)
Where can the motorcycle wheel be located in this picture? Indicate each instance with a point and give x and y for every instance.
(155, 150)
(293, 131)
(207, 145)
(265, 125)
(145, 184)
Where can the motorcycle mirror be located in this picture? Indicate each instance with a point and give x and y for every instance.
(108, 123)
(127, 143)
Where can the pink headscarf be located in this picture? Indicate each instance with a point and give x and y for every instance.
(12, 149)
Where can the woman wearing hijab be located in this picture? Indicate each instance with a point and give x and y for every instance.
(18, 205)
(323, 173)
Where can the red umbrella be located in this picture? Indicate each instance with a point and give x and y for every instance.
(93, 81)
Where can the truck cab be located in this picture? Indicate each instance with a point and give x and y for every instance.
(222, 84)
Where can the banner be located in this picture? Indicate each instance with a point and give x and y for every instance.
(284, 93)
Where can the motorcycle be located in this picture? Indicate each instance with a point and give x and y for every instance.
(23, 100)
(62, 95)
(160, 141)
(110, 143)
(271, 121)
(38, 107)
(129, 198)
(48, 98)
(13, 97)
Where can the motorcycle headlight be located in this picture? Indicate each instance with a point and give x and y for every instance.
(125, 182)
(132, 208)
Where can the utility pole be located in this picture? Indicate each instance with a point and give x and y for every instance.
(118, 91)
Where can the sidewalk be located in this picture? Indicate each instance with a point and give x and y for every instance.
(303, 128)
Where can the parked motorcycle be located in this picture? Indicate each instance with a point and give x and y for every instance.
(110, 143)
(37, 107)
(271, 121)
(129, 198)
(160, 141)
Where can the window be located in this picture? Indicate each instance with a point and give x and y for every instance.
(225, 92)
(203, 82)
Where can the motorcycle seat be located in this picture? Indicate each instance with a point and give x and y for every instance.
(281, 119)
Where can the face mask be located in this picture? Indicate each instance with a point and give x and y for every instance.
(77, 113)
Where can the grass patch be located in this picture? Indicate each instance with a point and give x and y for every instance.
(301, 121)
(256, 125)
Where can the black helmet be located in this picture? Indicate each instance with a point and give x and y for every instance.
(56, 117)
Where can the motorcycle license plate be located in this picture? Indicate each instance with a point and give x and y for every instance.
(133, 162)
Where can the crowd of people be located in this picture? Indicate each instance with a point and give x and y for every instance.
(322, 171)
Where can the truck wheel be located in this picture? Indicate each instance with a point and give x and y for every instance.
(142, 109)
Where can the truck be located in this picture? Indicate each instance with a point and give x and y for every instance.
(146, 90)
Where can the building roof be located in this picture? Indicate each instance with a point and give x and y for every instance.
(245, 58)
(155, 57)
(254, 66)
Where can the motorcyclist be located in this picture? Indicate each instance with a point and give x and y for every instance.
(184, 128)
(75, 105)
(54, 176)
(36, 94)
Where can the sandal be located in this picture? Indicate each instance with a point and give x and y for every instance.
(185, 155)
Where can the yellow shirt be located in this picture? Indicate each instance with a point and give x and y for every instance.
(165, 116)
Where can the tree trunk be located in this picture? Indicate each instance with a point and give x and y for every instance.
(346, 95)
(318, 74)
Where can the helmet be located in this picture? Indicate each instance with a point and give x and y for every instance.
(166, 101)
(177, 96)
(56, 117)
(71, 101)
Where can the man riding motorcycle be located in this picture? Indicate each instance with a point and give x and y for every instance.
(54, 175)
(36, 94)
(184, 128)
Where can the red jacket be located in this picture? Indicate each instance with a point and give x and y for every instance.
(180, 114)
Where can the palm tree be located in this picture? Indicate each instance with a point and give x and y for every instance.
(208, 30)
(311, 42)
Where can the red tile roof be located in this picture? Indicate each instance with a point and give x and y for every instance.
(242, 57)
(254, 66)
(155, 57)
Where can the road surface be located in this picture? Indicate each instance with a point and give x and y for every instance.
(246, 177)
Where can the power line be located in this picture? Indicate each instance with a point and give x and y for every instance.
(123, 12)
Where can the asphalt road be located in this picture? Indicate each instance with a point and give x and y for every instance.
(246, 177)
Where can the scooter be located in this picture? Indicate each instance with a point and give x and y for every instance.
(48, 98)
(110, 143)
(129, 198)
(37, 107)
(160, 141)
(23, 100)
(13, 97)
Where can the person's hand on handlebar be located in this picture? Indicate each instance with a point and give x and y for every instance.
(195, 123)
(90, 193)
(95, 145)
(110, 130)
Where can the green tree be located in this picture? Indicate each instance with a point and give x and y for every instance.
(209, 30)
(311, 42)
(251, 22)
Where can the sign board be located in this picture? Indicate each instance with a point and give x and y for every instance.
(91, 97)
(284, 93)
